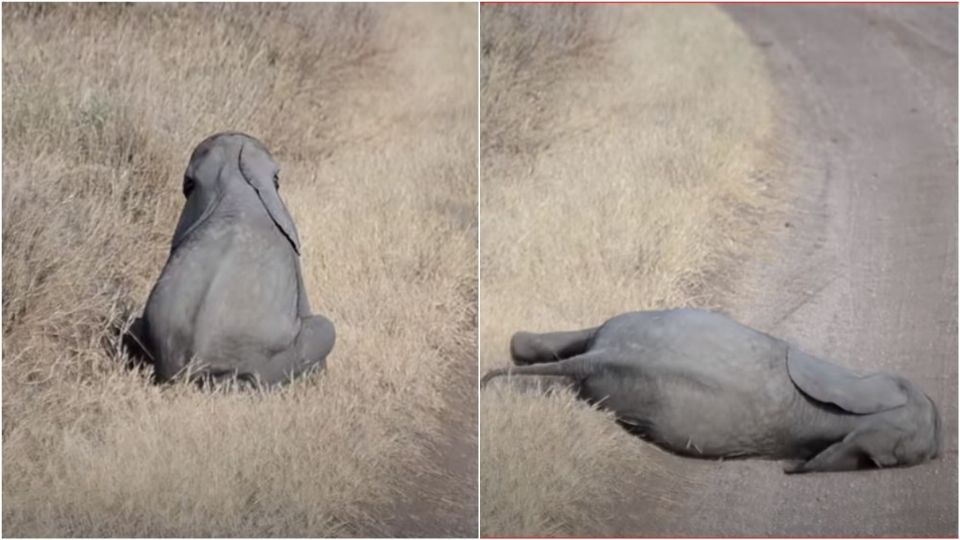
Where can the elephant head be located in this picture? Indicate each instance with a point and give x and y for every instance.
(897, 423)
(222, 164)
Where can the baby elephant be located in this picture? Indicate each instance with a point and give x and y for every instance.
(230, 300)
(700, 384)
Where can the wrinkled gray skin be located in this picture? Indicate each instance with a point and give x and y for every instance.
(700, 384)
(230, 300)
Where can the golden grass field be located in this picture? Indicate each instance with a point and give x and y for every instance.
(625, 152)
(370, 110)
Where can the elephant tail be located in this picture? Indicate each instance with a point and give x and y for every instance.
(578, 368)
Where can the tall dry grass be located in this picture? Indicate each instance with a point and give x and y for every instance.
(623, 156)
(371, 112)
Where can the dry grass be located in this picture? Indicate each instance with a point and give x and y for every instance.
(371, 113)
(623, 156)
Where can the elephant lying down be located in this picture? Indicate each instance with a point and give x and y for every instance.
(230, 300)
(700, 384)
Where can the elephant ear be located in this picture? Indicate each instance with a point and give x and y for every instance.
(830, 383)
(258, 170)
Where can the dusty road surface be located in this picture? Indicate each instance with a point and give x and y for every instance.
(863, 269)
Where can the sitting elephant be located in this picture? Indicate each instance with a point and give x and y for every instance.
(230, 300)
(700, 384)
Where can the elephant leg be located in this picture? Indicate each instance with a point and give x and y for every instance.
(579, 368)
(530, 348)
(860, 449)
(308, 352)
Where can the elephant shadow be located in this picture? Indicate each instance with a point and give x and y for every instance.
(120, 342)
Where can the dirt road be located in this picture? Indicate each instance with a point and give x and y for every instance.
(864, 267)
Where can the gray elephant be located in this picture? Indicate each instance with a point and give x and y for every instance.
(700, 384)
(230, 300)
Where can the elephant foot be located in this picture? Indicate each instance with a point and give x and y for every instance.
(317, 338)
(524, 349)
(529, 348)
(794, 467)
(307, 354)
